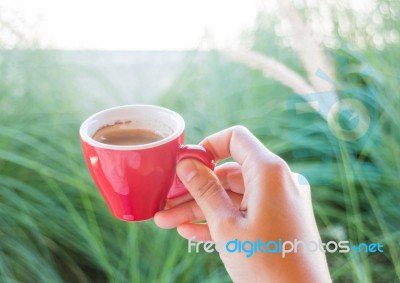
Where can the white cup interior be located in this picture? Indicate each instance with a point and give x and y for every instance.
(165, 122)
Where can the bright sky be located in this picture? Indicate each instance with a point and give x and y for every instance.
(138, 25)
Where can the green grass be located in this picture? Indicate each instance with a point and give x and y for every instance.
(355, 184)
(54, 226)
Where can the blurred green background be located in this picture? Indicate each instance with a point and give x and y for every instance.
(54, 226)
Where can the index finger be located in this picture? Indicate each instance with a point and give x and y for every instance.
(263, 171)
(240, 144)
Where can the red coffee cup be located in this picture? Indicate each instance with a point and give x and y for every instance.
(136, 180)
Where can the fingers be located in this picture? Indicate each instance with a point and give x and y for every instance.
(239, 143)
(187, 212)
(171, 218)
(206, 189)
(230, 176)
(177, 201)
(264, 173)
(200, 232)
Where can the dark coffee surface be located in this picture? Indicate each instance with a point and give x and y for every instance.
(122, 135)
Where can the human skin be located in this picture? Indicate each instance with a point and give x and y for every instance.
(254, 197)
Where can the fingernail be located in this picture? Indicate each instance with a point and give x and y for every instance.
(186, 170)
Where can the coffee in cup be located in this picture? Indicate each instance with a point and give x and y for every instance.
(132, 152)
(124, 133)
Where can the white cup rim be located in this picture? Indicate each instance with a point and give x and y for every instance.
(83, 131)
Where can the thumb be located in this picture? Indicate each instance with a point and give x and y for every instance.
(206, 189)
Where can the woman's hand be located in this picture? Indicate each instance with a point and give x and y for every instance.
(257, 197)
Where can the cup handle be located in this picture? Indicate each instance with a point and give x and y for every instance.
(190, 151)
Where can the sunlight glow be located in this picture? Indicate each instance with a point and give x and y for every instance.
(137, 25)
